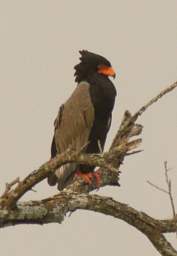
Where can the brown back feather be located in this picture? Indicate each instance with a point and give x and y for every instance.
(72, 127)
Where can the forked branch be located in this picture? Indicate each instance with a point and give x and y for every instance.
(75, 195)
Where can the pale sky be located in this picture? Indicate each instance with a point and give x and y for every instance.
(39, 43)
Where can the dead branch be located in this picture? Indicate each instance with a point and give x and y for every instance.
(157, 187)
(55, 209)
(73, 197)
(168, 182)
(10, 185)
(10, 198)
(169, 188)
(156, 98)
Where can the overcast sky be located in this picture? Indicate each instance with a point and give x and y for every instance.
(39, 43)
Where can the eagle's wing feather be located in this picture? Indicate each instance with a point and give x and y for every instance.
(72, 128)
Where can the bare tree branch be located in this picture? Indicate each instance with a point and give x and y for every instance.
(156, 98)
(73, 197)
(56, 208)
(169, 187)
(157, 187)
(10, 198)
(10, 185)
(129, 120)
(168, 182)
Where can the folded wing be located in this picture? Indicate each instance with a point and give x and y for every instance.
(72, 129)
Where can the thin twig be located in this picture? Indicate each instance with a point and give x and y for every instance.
(169, 187)
(166, 172)
(134, 152)
(157, 187)
(128, 121)
(10, 185)
(168, 182)
(156, 98)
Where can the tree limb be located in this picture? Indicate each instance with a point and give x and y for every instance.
(55, 209)
(70, 199)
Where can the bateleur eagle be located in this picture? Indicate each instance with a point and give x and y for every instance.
(83, 121)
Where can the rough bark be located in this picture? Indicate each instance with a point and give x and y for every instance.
(76, 195)
(55, 209)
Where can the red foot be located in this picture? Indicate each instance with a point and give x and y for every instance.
(90, 176)
(87, 177)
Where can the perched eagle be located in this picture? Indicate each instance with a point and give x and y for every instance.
(85, 118)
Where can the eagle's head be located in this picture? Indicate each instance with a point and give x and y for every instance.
(91, 63)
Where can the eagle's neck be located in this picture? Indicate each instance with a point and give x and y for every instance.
(103, 93)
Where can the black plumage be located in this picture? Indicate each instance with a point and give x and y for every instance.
(86, 116)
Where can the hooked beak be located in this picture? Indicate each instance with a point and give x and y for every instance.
(107, 71)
